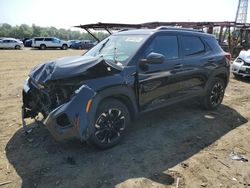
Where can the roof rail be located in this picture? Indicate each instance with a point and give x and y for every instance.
(177, 28)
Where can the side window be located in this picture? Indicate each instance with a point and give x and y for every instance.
(55, 40)
(192, 45)
(38, 39)
(48, 39)
(165, 45)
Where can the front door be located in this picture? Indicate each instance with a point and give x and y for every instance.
(160, 82)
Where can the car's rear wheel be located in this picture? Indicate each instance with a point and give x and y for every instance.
(215, 94)
(17, 47)
(42, 47)
(110, 124)
(64, 47)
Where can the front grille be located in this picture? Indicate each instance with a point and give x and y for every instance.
(39, 99)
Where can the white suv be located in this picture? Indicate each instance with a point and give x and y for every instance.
(49, 42)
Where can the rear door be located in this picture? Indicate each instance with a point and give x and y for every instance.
(195, 58)
(49, 42)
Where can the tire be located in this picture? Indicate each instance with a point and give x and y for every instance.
(64, 47)
(17, 47)
(214, 94)
(42, 47)
(110, 124)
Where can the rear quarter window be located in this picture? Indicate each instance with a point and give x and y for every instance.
(213, 44)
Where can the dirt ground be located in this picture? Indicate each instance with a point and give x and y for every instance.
(178, 146)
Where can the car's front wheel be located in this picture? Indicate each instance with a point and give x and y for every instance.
(110, 124)
(214, 94)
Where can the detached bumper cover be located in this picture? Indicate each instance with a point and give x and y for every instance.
(70, 120)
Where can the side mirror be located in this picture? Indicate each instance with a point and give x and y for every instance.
(153, 58)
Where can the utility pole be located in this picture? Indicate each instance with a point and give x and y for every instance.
(241, 15)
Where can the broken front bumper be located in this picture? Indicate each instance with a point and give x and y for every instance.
(240, 68)
(69, 120)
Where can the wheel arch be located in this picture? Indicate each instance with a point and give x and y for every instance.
(222, 73)
(121, 93)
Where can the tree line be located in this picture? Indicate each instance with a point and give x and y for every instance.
(25, 31)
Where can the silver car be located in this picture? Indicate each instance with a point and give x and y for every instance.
(241, 65)
(11, 43)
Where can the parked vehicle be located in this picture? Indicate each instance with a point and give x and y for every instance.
(95, 96)
(28, 43)
(49, 42)
(241, 65)
(85, 44)
(72, 42)
(11, 43)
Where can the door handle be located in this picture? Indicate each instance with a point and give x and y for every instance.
(178, 66)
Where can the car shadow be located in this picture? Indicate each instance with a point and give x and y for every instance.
(242, 79)
(155, 142)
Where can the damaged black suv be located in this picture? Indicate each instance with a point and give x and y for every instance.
(95, 96)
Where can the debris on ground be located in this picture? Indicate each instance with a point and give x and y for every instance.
(238, 156)
(5, 183)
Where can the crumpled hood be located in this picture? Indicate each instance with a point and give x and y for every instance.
(245, 55)
(64, 68)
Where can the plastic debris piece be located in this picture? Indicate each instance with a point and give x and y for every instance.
(238, 157)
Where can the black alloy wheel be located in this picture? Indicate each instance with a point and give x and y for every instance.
(215, 94)
(110, 124)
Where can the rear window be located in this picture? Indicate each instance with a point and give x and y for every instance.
(192, 45)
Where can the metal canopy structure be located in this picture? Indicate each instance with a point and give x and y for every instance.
(109, 27)
(223, 30)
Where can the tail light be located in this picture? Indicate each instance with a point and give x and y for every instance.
(228, 56)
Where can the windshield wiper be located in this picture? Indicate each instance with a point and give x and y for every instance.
(103, 45)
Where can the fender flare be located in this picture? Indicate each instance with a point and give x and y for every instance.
(117, 92)
(222, 72)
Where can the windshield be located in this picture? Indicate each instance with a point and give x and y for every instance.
(118, 48)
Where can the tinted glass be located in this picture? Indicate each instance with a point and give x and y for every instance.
(165, 45)
(192, 45)
(213, 44)
(48, 39)
(38, 39)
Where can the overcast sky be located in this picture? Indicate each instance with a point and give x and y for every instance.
(64, 14)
